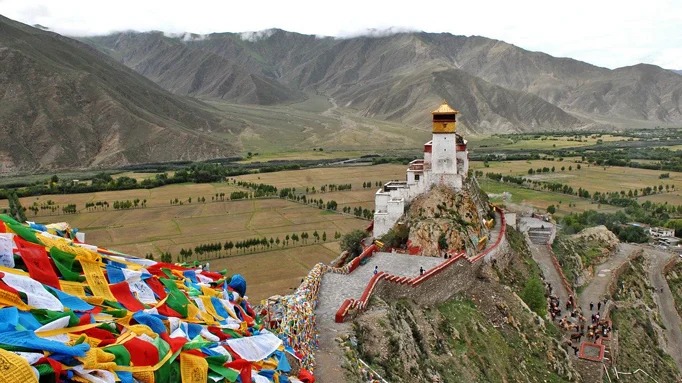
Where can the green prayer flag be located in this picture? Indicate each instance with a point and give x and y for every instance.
(65, 263)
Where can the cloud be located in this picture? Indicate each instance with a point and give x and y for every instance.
(257, 35)
(375, 32)
(608, 33)
(186, 36)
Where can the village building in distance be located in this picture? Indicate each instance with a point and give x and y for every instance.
(445, 163)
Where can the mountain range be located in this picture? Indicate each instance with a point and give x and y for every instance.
(497, 86)
(131, 97)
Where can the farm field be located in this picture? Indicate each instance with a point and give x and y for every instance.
(593, 178)
(543, 142)
(540, 199)
(161, 227)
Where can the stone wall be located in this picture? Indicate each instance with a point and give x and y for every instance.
(435, 286)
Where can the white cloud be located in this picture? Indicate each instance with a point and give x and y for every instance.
(603, 32)
(257, 35)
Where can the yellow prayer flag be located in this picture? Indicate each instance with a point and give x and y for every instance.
(193, 369)
(16, 369)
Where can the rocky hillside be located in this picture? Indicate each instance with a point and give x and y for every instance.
(674, 279)
(578, 253)
(497, 86)
(65, 105)
(485, 334)
(639, 327)
(445, 219)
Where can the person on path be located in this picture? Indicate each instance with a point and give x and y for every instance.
(376, 270)
(598, 306)
(591, 306)
(421, 270)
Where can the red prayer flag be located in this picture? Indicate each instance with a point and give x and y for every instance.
(37, 262)
(142, 353)
(123, 295)
(156, 287)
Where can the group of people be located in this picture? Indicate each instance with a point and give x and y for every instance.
(575, 322)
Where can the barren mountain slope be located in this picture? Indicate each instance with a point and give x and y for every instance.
(196, 68)
(66, 105)
(363, 67)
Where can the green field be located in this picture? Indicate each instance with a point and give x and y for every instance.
(590, 177)
(539, 199)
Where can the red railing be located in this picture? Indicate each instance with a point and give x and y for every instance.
(353, 306)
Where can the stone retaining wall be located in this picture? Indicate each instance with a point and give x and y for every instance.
(558, 268)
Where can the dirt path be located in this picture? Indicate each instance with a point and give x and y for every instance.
(666, 304)
(596, 289)
(543, 258)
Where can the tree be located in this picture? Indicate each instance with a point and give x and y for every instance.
(551, 209)
(351, 242)
(54, 179)
(324, 236)
(16, 211)
(443, 241)
(286, 240)
(316, 235)
(534, 295)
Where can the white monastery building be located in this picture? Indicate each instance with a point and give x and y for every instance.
(446, 163)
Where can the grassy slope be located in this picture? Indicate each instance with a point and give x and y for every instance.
(638, 345)
(674, 278)
(483, 335)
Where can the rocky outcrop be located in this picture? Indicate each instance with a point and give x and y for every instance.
(577, 254)
(446, 219)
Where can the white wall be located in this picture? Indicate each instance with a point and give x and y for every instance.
(443, 157)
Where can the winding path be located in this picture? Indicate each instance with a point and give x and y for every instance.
(596, 289)
(543, 258)
(666, 304)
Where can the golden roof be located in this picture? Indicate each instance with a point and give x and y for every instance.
(444, 108)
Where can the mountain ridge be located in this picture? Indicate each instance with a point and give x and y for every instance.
(351, 70)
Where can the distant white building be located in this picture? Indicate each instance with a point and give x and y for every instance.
(446, 162)
(661, 232)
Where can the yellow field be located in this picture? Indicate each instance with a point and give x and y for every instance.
(317, 177)
(305, 155)
(162, 227)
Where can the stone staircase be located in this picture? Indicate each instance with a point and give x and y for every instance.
(540, 236)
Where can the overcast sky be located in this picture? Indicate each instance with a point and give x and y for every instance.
(602, 32)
